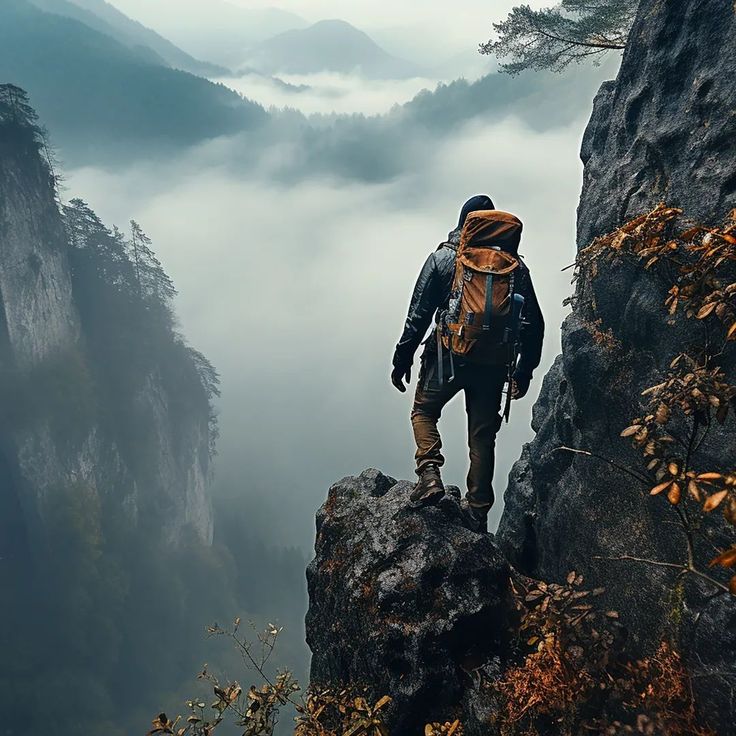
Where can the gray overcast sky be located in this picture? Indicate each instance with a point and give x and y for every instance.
(465, 17)
(422, 26)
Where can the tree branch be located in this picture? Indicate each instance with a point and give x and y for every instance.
(612, 463)
(601, 46)
(686, 569)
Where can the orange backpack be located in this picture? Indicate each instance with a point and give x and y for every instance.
(483, 319)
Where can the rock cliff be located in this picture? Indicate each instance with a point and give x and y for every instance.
(55, 429)
(411, 603)
(664, 130)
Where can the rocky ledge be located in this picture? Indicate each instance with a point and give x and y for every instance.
(409, 603)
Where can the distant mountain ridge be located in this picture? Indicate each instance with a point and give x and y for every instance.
(105, 18)
(216, 30)
(103, 99)
(332, 46)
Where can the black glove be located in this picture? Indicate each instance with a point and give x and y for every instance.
(520, 385)
(400, 374)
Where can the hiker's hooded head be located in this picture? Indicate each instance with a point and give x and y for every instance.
(475, 204)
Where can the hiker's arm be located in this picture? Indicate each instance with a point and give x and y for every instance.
(532, 335)
(424, 303)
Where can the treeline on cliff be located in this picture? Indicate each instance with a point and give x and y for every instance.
(101, 615)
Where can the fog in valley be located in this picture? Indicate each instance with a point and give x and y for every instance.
(297, 292)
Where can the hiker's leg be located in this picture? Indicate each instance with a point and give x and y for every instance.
(483, 394)
(429, 401)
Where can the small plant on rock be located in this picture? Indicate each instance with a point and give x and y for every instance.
(573, 678)
(696, 393)
(347, 711)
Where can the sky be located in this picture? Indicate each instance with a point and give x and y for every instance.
(428, 31)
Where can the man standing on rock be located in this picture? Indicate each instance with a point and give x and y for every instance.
(488, 333)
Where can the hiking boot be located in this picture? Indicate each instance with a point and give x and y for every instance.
(429, 489)
(477, 520)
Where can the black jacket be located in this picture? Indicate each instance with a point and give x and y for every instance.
(432, 293)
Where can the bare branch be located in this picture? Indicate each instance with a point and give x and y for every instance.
(683, 569)
(612, 463)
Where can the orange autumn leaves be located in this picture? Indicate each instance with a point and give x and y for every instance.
(702, 257)
(695, 393)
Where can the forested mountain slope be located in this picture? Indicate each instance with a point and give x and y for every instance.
(107, 433)
(104, 100)
(107, 19)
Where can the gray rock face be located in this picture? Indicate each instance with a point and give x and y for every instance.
(38, 315)
(405, 602)
(665, 130)
(39, 330)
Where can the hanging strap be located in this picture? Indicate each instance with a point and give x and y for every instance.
(488, 311)
(440, 358)
(440, 370)
(508, 332)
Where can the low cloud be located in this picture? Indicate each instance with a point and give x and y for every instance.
(328, 92)
(298, 293)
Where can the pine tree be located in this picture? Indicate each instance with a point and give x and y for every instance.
(153, 282)
(210, 380)
(208, 374)
(102, 250)
(553, 38)
(16, 109)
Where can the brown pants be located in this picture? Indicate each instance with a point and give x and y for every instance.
(483, 387)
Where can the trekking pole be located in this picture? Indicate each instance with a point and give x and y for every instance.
(517, 317)
(509, 387)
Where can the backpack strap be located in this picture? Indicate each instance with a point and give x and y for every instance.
(488, 311)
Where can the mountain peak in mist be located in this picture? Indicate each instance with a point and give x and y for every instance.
(102, 16)
(216, 30)
(331, 45)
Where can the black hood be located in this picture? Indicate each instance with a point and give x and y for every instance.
(479, 202)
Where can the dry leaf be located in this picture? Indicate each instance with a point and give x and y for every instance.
(714, 501)
(725, 559)
(658, 489)
(703, 312)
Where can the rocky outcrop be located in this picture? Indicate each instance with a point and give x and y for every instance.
(408, 603)
(664, 130)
